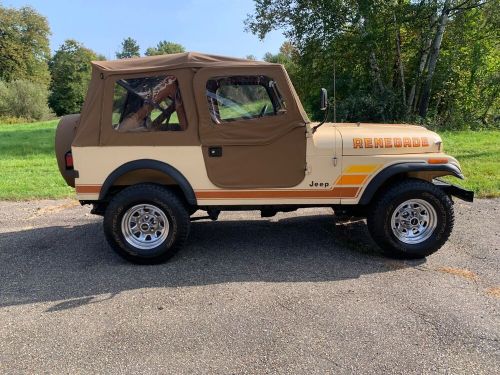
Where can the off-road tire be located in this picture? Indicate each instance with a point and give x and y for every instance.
(157, 196)
(382, 209)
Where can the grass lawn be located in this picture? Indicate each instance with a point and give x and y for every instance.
(28, 168)
(479, 157)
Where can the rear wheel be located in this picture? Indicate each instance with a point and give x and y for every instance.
(413, 219)
(146, 224)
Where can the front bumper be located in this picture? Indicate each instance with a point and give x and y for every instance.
(456, 191)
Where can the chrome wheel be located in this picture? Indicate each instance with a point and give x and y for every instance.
(145, 226)
(414, 221)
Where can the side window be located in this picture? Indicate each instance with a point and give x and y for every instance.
(148, 104)
(243, 97)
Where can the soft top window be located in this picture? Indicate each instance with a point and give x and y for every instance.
(243, 98)
(148, 104)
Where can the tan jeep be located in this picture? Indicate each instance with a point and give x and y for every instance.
(161, 137)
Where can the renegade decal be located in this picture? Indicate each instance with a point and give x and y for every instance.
(390, 142)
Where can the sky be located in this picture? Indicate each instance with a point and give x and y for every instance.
(209, 26)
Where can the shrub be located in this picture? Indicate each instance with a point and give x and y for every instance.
(24, 99)
(13, 120)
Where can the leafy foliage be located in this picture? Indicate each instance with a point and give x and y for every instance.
(432, 61)
(130, 49)
(165, 48)
(70, 70)
(24, 45)
(22, 99)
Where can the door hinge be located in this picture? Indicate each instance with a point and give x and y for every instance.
(308, 169)
(334, 161)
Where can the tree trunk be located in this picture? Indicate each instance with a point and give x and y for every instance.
(424, 54)
(375, 70)
(433, 56)
(400, 61)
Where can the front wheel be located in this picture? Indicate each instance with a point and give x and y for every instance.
(412, 219)
(146, 224)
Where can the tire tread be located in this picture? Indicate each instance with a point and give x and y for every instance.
(376, 220)
(158, 195)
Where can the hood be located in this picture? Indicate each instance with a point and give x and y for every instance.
(385, 139)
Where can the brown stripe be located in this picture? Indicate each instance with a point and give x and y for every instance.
(88, 189)
(337, 192)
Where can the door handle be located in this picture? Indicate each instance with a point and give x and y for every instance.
(215, 152)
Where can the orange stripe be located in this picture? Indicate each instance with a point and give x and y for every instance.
(437, 161)
(88, 189)
(338, 192)
(365, 168)
(352, 179)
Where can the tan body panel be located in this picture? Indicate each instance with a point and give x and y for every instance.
(100, 162)
(330, 177)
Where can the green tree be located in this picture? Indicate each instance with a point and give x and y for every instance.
(286, 56)
(70, 70)
(24, 45)
(165, 48)
(428, 60)
(130, 49)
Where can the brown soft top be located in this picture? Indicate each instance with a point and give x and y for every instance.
(95, 129)
(175, 60)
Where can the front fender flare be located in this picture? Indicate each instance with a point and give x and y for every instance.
(150, 164)
(399, 168)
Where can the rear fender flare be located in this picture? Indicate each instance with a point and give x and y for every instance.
(401, 168)
(150, 164)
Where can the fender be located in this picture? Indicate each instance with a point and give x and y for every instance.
(395, 169)
(150, 164)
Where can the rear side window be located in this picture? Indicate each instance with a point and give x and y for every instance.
(243, 98)
(148, 104)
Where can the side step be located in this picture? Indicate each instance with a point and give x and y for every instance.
(213, 215)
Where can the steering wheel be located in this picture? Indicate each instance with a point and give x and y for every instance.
(263, 111)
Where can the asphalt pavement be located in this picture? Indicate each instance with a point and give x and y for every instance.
(295, 294)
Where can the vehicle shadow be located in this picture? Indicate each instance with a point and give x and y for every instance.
(75, 265)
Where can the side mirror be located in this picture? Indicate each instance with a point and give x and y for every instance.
(324, 100)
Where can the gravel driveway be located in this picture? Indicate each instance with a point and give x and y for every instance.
(297, 293)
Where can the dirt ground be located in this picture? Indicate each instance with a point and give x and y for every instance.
(297, 293)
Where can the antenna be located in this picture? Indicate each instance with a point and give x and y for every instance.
(334, 94)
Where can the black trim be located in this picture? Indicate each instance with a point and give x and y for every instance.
(393, 170)
(71, 173)
(150, 164)
(456, 191)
